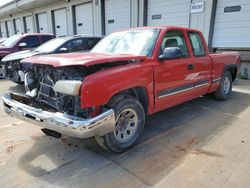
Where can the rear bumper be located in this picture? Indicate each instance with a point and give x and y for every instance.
(59, 122)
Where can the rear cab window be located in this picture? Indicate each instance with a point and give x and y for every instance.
(197, 44)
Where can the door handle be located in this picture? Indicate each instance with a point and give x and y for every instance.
(190, 66)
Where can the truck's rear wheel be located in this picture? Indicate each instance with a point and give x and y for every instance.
(130, 120)
(225, 88)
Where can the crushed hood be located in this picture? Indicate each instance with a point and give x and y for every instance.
(19, 55)
(87, 59)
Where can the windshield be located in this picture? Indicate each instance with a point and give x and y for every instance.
(137, 42)
(51, 45)
(10, 42)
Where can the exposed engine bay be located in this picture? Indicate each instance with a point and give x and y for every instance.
(40, 81)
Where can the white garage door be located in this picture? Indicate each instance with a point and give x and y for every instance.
(168, 12)
(117, 15)
(84, 19)
(18, 27)
(42, 23)
(60, 20)
(9, 28)
(232, 24)
(3, 30)
(29, 24)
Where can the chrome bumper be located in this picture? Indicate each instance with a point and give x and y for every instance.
(59, 122)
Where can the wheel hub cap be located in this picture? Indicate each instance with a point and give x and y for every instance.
(226, 85)
(126, 125)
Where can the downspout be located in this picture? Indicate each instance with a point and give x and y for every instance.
(189, 21)
(145, 13)
(211, 29)
(138, 13)
(103, 17)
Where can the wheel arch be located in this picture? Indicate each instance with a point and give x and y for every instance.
(139, 93)
(233, 69)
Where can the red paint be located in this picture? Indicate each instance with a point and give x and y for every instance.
(151, 74)
(87, 59)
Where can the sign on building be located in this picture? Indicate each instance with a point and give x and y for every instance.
(197, 7)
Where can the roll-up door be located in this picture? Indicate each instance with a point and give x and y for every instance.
(117, 15)
(232, 24)
(168, 12)
(84, 19)
(28, 21)
(42, 20)
(3, 30)
(17, 26)
(9, 28)
(60, 22)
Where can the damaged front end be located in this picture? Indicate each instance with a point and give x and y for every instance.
(45, 85)
(22, 108)
(52, 101)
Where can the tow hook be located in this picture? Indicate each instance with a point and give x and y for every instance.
(52, 133)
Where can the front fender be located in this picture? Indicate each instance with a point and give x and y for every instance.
(98, 88)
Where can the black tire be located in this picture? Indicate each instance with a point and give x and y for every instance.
(221, 93)
(111, 141)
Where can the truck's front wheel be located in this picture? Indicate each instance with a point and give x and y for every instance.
(130, 120)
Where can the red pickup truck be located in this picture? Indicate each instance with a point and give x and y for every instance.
(129, 74)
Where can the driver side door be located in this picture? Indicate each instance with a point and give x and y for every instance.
(175, 77)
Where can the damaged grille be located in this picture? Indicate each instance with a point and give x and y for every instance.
(39, 83)
(47, 94)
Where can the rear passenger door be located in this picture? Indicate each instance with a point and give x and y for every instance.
(201, 63)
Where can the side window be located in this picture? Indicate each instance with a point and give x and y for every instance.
(31, 41)
(175, 39)
(74, 45)
(46, 38)
(92, 42)
(197, 44)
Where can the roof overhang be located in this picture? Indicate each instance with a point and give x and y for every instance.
(17, 6)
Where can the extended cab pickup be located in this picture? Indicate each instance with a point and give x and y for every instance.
(129, 74)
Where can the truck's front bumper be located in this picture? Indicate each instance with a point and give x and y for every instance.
(59, 122)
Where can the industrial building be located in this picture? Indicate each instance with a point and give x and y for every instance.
(224, 23)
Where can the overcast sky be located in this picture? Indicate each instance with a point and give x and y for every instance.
(2, 2)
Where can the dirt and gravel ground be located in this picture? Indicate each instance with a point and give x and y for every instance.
(202, 143)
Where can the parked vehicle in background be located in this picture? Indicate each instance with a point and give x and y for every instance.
(58, 45)
(23, 42)
(129, 74)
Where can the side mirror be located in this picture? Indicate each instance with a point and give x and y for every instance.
(171, 53)
(63, 50)
(22, 45)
